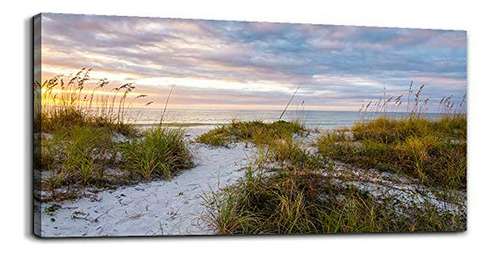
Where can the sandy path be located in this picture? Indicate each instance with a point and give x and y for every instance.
(171, 207)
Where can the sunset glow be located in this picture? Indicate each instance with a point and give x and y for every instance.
(222, 64)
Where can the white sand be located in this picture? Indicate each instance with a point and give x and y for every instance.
(175, 207)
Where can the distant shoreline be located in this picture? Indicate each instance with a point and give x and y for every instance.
(309, 121)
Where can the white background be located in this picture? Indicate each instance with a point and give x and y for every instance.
(479, 18)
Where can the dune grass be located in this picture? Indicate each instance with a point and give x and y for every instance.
(76, 154)
(160, 152)
(292, 200)
(72, 116)
(74, 143)
(296, 193)
(292, 190)
(257, 132)
(434, 151)
(78, 102)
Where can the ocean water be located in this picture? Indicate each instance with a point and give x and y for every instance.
(209, 118)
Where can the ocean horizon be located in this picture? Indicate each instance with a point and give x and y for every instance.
(209, 118)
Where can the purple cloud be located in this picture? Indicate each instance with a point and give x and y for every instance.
(335, 65)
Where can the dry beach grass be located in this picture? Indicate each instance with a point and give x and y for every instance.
(381, 175)
(82, 138)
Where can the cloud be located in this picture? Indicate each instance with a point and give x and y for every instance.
(335, 65)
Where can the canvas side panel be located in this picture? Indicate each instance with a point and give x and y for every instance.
(37, 77)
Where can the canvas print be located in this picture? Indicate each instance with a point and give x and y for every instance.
(161, 127)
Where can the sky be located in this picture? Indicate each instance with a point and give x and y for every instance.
(256, 65)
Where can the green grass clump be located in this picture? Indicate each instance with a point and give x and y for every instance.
(220, 136)
(290, 152)
(292, 200)
(82, 154)
(76, 155)
(434, 151)
(256, 132)
(161, 152)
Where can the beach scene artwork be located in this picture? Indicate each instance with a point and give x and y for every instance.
(176, 127)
